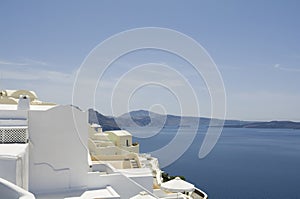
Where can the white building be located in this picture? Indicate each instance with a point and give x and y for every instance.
(50, 151)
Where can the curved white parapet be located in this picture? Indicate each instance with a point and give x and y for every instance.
(11, 191)
(197, 192)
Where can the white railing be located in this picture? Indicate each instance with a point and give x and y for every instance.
(13, 134)
(10, 190)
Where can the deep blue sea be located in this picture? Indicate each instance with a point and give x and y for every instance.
(244, 164)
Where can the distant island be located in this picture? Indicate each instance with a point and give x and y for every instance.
(142, 118)
(271, 124)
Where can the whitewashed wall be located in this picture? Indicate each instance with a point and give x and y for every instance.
(58, 153)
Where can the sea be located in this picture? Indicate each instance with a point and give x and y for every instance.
(246, 163)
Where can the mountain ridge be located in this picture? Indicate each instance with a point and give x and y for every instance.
(150, 119)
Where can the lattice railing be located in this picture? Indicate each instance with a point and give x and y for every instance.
(13, 135)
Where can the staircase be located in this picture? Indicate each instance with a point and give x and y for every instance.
(134, 164)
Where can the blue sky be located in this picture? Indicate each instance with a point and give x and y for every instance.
(255, 45)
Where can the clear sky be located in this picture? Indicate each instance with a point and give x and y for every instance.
(255, 45)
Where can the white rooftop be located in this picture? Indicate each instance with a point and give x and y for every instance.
(120, 132)
(32, 107)
(108, 192)
(95, 125)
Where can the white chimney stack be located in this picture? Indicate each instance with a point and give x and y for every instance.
(24, 102)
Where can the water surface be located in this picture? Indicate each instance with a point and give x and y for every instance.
(244, 164)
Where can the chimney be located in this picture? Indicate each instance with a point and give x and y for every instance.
(24, 102)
